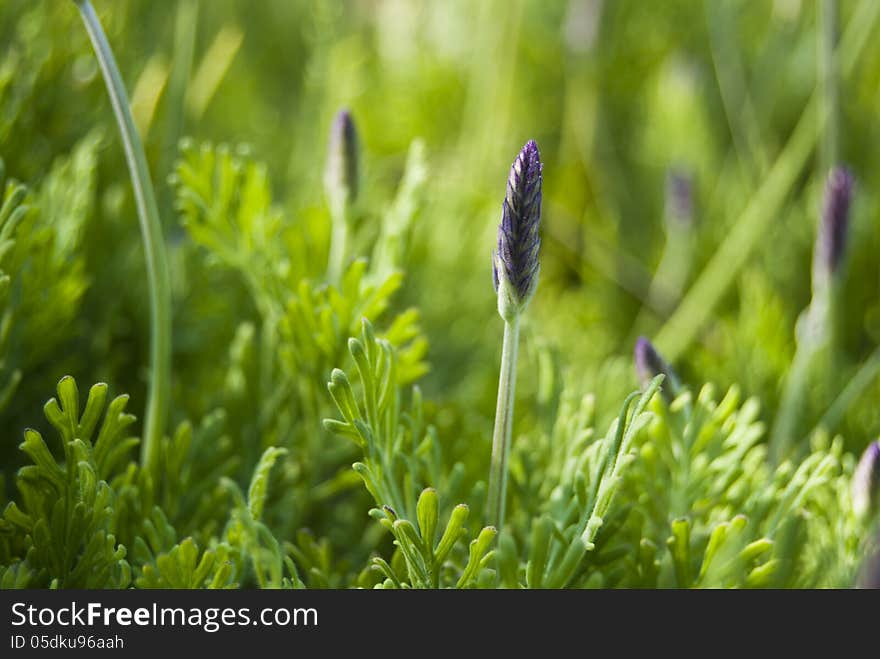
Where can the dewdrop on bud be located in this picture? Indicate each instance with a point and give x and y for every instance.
(649, 364)
(341, 171)
(866, 482)
(831, 239)
(515, 262)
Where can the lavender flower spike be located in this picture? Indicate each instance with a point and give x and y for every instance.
(831, 240)
(679, 197)
(515, 262)
(649, 364)
(866, 482)
(341, 172)
(341, 188)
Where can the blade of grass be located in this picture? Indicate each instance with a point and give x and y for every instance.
(826, 13)
(745, 129)
(863, 378)
(154, 244)
(212, 69)
(175, 98)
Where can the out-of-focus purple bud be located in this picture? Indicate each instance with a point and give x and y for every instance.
(515, 263)
(679, 197)
(866, 482)
(649, 364)
(831, 239)
(341, 171)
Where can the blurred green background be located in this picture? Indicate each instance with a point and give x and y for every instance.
(618, 94)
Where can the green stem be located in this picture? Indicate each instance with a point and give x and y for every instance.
(818, 331)
(338, 240)
(856, 386)
(669, 281)
(827, 36)
(184, 47)
(154, 245)
(503, 424)
(733, 85)
(791, 406)
(815, 335)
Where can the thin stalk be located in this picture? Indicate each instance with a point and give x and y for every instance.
(184, 47)
(791, 406)
(154, 245)
(827, 60)
(856, 386)
(815, 336)
(501, 436)
(733, 85)
(338, 245)
(669, 279)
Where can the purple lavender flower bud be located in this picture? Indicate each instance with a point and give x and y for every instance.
(831, 240)
(649, 364)
(341, 171)
(866, 481)
(679, 197)
(515, 262)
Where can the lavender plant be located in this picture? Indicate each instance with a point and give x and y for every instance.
(679, 215)
(649, 364)
(272, 477)
(816, 327)
(341, 187)
(515, 268)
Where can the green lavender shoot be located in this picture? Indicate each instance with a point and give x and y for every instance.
(817, 325)
(515, 270)
(341, 188)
